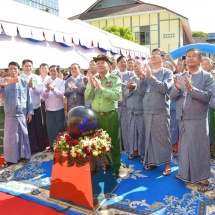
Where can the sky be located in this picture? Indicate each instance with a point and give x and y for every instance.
(200, 13)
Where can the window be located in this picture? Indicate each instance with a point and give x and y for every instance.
(137, 36)
(144, 38)
(171, 35)
(144, 35)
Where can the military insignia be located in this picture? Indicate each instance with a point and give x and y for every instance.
(100, 56)
(108, 83)
(113, 76)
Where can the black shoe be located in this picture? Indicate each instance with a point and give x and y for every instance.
(106, 166)
(116, 174)
(212, 156)
(95, 170)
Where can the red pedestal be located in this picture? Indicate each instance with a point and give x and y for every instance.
(72, 184)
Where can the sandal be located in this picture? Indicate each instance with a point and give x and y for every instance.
(50, 149)
(142, 160)
(149, 167)
(167, 172)
(24, 160)
(177, 176)
(175, 153)
(35, 192)
(203, 187)
(132, 156)
(5, 164)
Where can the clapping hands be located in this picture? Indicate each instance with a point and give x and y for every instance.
(95, 82)
(147, 70)
(71, 85)
(177, 82)
(188, 84)
(4, 82)
(49, 87)
(130, 86)
(31, 83)
(85, 81)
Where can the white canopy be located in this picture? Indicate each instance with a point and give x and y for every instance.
(30, 33)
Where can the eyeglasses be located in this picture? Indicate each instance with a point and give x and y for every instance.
(155, 54)
(193, 56)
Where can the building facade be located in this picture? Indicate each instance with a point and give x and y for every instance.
(211, 39)
(51, 6)
(152, 26)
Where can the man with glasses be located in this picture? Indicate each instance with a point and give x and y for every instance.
(154, 86)
(192, 91)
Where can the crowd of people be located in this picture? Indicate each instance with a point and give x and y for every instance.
(153, 109)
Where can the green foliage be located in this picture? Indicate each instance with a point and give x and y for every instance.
(121, 32)
(199, 34)
(46, 10)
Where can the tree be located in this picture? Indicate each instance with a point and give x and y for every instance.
(46, 10)
(199, 34)
(121, 32)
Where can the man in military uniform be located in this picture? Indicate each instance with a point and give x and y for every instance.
(104, 91)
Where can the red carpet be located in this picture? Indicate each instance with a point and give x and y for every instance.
(12, 205)
(1, 161)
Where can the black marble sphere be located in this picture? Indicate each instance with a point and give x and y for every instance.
(81, 121)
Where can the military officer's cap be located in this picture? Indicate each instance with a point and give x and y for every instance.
(102, 57)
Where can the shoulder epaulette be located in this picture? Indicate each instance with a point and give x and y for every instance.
(113, 76)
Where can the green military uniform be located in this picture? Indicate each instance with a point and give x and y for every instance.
(105, 104)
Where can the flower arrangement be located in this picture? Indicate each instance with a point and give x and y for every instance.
(82, 147)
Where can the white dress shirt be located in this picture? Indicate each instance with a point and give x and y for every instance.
(35, 92)
(45, 79)
(54, 99)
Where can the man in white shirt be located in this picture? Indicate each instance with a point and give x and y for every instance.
(35, 127)
(53, 93)
(44, 75)
(44, 71)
